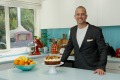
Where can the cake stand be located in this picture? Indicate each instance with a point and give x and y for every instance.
(52, 68)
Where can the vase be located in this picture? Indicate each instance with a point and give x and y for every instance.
(45, 50)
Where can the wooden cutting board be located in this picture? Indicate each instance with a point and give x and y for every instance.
(61, 43)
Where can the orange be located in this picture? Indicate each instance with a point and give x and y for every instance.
(29, 61)
(21, 62)
(26, 63)
(16, 62)
(32, 63)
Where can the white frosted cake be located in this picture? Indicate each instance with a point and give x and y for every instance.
(52, 60)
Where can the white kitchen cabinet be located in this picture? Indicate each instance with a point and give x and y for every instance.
(108, 12)
(50, 14)
(67, 12)
(30, 1)
(26, 1)
(8, 65)
(31, 4)
(60, 13)
(92, 10)
(113, 67)
(57, 14)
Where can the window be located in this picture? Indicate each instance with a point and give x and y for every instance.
(17, 27)
(21, 26)
(2, 28)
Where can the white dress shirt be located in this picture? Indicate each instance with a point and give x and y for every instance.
(81, 34)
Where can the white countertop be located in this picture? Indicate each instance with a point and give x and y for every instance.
(11, 58)
(40, 72)
(109, 59)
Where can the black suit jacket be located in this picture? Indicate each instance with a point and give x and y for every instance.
(92, 54)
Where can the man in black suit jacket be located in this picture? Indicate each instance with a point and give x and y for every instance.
(88, 43)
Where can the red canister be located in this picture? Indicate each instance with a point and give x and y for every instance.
(117, 52)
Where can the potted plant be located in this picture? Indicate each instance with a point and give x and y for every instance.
(44, 38)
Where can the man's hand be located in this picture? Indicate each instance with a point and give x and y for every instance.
(99, 71)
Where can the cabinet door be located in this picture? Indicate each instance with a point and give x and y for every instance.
(30, 1)
(50, 14)
(57, 14)
(92, 10)
(112, 71)
(108, 12)
(67, 11)
(4, 66)
(113, 67)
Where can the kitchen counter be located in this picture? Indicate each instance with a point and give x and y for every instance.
(7, 62)
(11, 58)
(40, 72)
(109, 59)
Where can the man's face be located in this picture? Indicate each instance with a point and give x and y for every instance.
(80, 15)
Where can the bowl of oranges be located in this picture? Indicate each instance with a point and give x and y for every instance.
(24, 63)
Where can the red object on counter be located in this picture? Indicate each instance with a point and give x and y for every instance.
(54, 49)
(117, 54)
(38, 45)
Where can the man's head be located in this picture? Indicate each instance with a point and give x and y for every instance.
(80, 15)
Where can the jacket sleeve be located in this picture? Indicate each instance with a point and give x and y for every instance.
(102, 49)
(68, 48)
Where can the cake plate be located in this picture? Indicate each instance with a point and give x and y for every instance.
(52, 68)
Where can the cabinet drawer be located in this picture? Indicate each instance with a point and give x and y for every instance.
(113, 65)
(6, 66)
(112, 71)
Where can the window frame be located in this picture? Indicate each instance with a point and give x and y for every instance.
(7, 28)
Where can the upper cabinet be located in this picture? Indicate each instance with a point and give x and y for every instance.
(31, 1)
(28, 1)
(66, 13)
(31, 4)
(57, 13)
(92, 10)
(60, 13)
(50, 14)
(108, 12)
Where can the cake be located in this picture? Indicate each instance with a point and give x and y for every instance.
(52, 60)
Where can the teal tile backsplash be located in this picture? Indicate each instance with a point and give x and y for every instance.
(55, 33)
(111, 35)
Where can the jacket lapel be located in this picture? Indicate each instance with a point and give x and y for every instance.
(74, 37)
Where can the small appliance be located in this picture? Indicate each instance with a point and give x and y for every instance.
(38, 44)
(117, 54)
